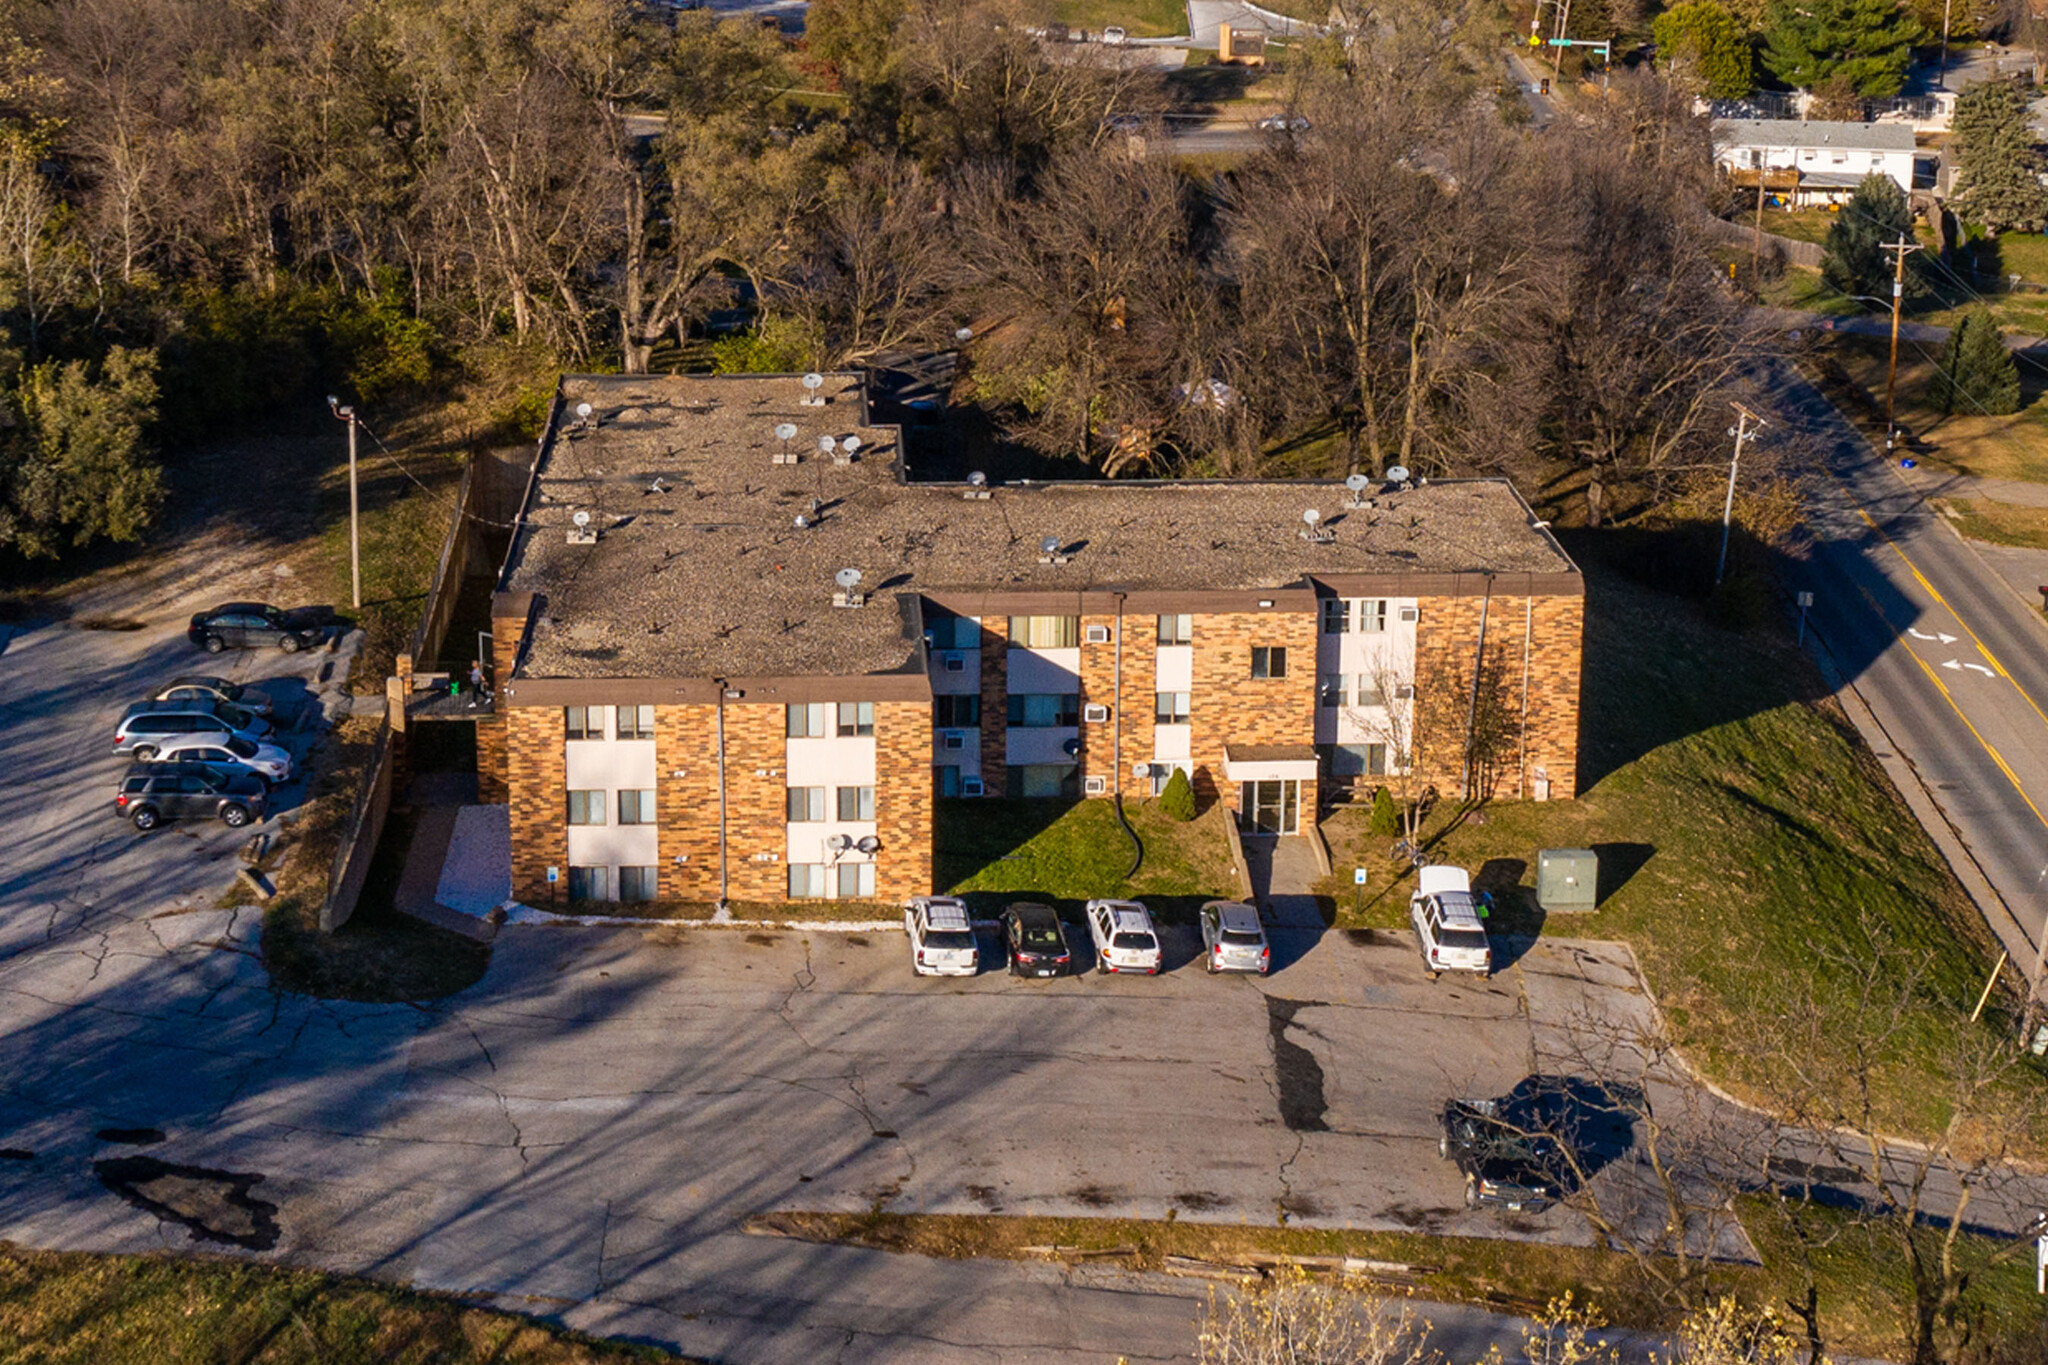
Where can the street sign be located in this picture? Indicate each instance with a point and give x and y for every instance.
(1806, 599)
(2041, 1264)
(1358, 876)
(554, 875)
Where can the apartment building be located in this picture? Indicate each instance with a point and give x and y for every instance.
(742, 651)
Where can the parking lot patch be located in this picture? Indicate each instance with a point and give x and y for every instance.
(1302, 1105)
(214, 1206)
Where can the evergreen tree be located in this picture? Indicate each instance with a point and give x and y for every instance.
(1177, 801)
(1998, 168)
(1702, 41)
(1977, 374)
(1386, 818)
(1864, 44)
(1854, 260)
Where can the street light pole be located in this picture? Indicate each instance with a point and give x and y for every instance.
(1902, 249)
(1941, 72)
(1744, 418)
(347, 413)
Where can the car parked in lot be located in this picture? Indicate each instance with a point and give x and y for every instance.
(941, 937)
(249, 625)
(1033, 940)
(229, 753)
(1124, 938)
(151, 793)
(1233, 940)
(147, 724)
(1113, 36)
(1283, 123)
(1448, 922)
(1503, 1163)
(199, 688)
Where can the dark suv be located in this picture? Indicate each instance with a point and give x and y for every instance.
(1035, 944)
(245, 625)
(152, 793)
(1504, 1163)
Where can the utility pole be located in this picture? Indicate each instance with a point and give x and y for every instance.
(1741, 434)
(1756, 250)
(344, 412)
(1564, 19)
(1901, 249)
(1941, 72)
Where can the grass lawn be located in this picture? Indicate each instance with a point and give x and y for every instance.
(1999, 523)
(1741, 825)
(2014, 447)
(1801, 225)
(1799, 288)
(71, 1308)
(994, 851)
(1139, 18)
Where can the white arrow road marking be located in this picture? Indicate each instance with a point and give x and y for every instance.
(1945, 639)
(1951, 663)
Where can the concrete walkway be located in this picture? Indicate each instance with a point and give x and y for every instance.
(438, 800)
(1283, 871)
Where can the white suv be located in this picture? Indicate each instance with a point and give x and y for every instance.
(941, 937)
(1447, 919)
(1124, 939)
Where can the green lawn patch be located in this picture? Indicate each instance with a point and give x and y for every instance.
(1742, 826)
(403, 527)
(996, 851)
(1998, 523)
(2009, 447)
(1139, 18)
(71, 1308)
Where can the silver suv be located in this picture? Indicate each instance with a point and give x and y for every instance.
(1124, 938)
(1448, 923)
(147, 724)
(1233, 940)
(941, 937)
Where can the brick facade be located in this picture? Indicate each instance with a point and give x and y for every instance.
(995, 727)
(1098, 688)
(537, 782)
(1541, 726)
(509, 615)
(903, 799)
(757, 800)
(1227, 705)
(686, 801)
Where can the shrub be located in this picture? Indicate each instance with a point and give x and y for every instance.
(1178, 800)
(1386, 816)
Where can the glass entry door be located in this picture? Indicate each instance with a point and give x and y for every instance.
(1270, 807)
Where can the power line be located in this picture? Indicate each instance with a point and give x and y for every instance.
(427, 488)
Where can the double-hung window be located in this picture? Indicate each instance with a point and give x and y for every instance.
(807, 721)
(636, 807)
(1040, 710)
(1045, 632)
(636, 722)
(806, 805)
(586, 807)
(1269, 661)
(1170, 708)
(1177, 630)
(583, 722)
(856, 803)
(856, 718)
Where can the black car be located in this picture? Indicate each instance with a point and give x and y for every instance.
(1034, 940)
(200, 688)
(152, 793)
(1504, 1163)
(246, 625)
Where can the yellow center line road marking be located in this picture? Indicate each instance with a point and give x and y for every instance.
(1935, 593)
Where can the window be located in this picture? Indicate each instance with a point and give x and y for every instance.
(1269, 662)
(1336, 616)
(1841, 158)
(1358, 760)
(953, 741)
(1176, 630)
(636, 807)
(583, 722)
(1162, 773)
(955, 632)
(806, 721)
(1372, 616)
(586, 808)
(1369, 691)
(856, 881)
(1038, 710)
(806, 805)
(1170, 708)
(1045, 780)
(1045, 632)
(856, 803)
(806, 881)
(962, 713)
(637, 884)
(1333, 689)
(636, 722)
(856, 718)
(949, 779)
(587, 884)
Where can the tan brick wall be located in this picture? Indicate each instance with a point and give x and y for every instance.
(536, 772)
(757, 800)
(1556, 659)
(686, 806)
(1098, 687)
(1228, 706)
(1141, 691)
(995, 730)
(490, 760)
(903, 799)
(1547, 730)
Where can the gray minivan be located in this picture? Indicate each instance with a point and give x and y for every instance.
(147, 722)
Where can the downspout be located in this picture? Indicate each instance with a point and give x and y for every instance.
(1116, 742)
(724, 879)
(1472, 707)
(1528, 629)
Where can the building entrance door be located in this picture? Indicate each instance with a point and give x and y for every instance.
(1270, 807)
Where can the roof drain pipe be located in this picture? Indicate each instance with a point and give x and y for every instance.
(723, 910)
(1116, 719)
(1478, 665)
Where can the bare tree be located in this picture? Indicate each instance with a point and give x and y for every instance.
(1291, 1319)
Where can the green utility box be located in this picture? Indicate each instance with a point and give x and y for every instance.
(1567, 879)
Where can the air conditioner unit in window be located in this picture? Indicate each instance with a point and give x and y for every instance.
(1095, 713)
(953, 740)
(952, 663)
(1410, 614)
(970, 786)
(1095, 786)
(1404, 693)
(1096, 635)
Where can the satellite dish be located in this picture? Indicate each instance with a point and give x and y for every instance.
(1141, 770)
(850, 444)
(1311, 516)
(964, 334)
(1071, 747)
(868, 843)
(583, 411)
(1399, 473)
(827, 445)
(582, 519)
(1358, 483)
(839, 843)
(785, 431)
(814, 381)
(847, 578)
(802, 521)
(1049, 546)
(977, 480)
